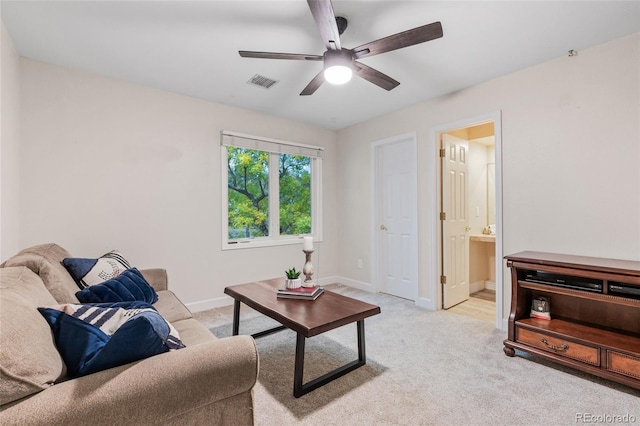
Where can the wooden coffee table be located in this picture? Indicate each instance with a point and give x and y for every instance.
(307, 318)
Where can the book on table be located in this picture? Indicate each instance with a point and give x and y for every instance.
(307, 293)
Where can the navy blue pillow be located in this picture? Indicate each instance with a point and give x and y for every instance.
(129, 286)
(92, 338)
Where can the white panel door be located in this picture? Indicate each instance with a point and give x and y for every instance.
(397, 218)
(455, 242)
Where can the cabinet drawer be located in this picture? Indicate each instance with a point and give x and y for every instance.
(628, 365)
(563, 347)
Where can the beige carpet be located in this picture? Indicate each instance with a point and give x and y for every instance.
(423, 368)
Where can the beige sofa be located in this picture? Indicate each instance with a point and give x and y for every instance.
(208, 382)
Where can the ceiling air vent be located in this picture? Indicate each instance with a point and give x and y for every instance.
(259, 80)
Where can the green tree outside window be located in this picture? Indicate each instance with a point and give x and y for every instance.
(295, 194)
(248, 191)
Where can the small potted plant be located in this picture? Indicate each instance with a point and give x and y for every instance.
(293, 278)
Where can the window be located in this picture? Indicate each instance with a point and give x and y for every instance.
(271, 191)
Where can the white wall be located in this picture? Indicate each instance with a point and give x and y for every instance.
(111, 165)
(106, 164)
(9, 145)
(570, 146)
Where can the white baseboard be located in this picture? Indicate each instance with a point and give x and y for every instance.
(360, 285)
(205, 305)
(225, 300)
(481, 285)
(476, 286)
(425, 303)
(219, 302)
(329, 280)
(421, 302)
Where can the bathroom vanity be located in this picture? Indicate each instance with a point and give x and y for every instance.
(482, 262)
(594, 307)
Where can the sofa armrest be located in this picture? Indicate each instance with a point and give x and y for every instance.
(157, 277)
(151, 391)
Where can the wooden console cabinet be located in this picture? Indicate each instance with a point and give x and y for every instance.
(595, 313)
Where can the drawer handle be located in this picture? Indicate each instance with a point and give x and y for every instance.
(562, 348)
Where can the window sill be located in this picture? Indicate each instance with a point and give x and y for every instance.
(260, 242)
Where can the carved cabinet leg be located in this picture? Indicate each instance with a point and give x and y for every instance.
(509, 351)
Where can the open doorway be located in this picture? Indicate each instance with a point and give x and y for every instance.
(469, 196)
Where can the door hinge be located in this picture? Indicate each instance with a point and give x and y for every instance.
(443, 279)
(443, 216)
(443, 153)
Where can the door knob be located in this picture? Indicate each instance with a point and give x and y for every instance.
(383, 228)
(467, 228)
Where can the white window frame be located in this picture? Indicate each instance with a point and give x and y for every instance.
(274, 147)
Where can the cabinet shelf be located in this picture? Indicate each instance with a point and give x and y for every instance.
(582, 294)
(592, 331)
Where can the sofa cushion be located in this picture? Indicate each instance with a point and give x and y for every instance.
(170, 307)
(193, 332)
(88, 272)
(29, 361)
(129, 286)
(45, 260)
(50, 251)
(95, 337)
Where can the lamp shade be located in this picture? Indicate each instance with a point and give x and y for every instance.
(338, 66)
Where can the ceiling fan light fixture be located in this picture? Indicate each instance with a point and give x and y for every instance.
(340, 63)
(338, 66)
(338, 74)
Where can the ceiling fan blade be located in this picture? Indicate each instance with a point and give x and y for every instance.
(272, 55)
(374, 76)
(399, 40)
(313, 84)
(322, 12)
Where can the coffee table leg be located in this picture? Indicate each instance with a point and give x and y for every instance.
(236, 317)
(362, 356)
(298, 371)
(300, 389)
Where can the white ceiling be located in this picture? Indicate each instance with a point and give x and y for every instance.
(191, 47)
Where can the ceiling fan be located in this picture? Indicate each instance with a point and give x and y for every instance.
(339, 62)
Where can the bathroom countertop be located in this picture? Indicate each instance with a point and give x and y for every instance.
(483, 238)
